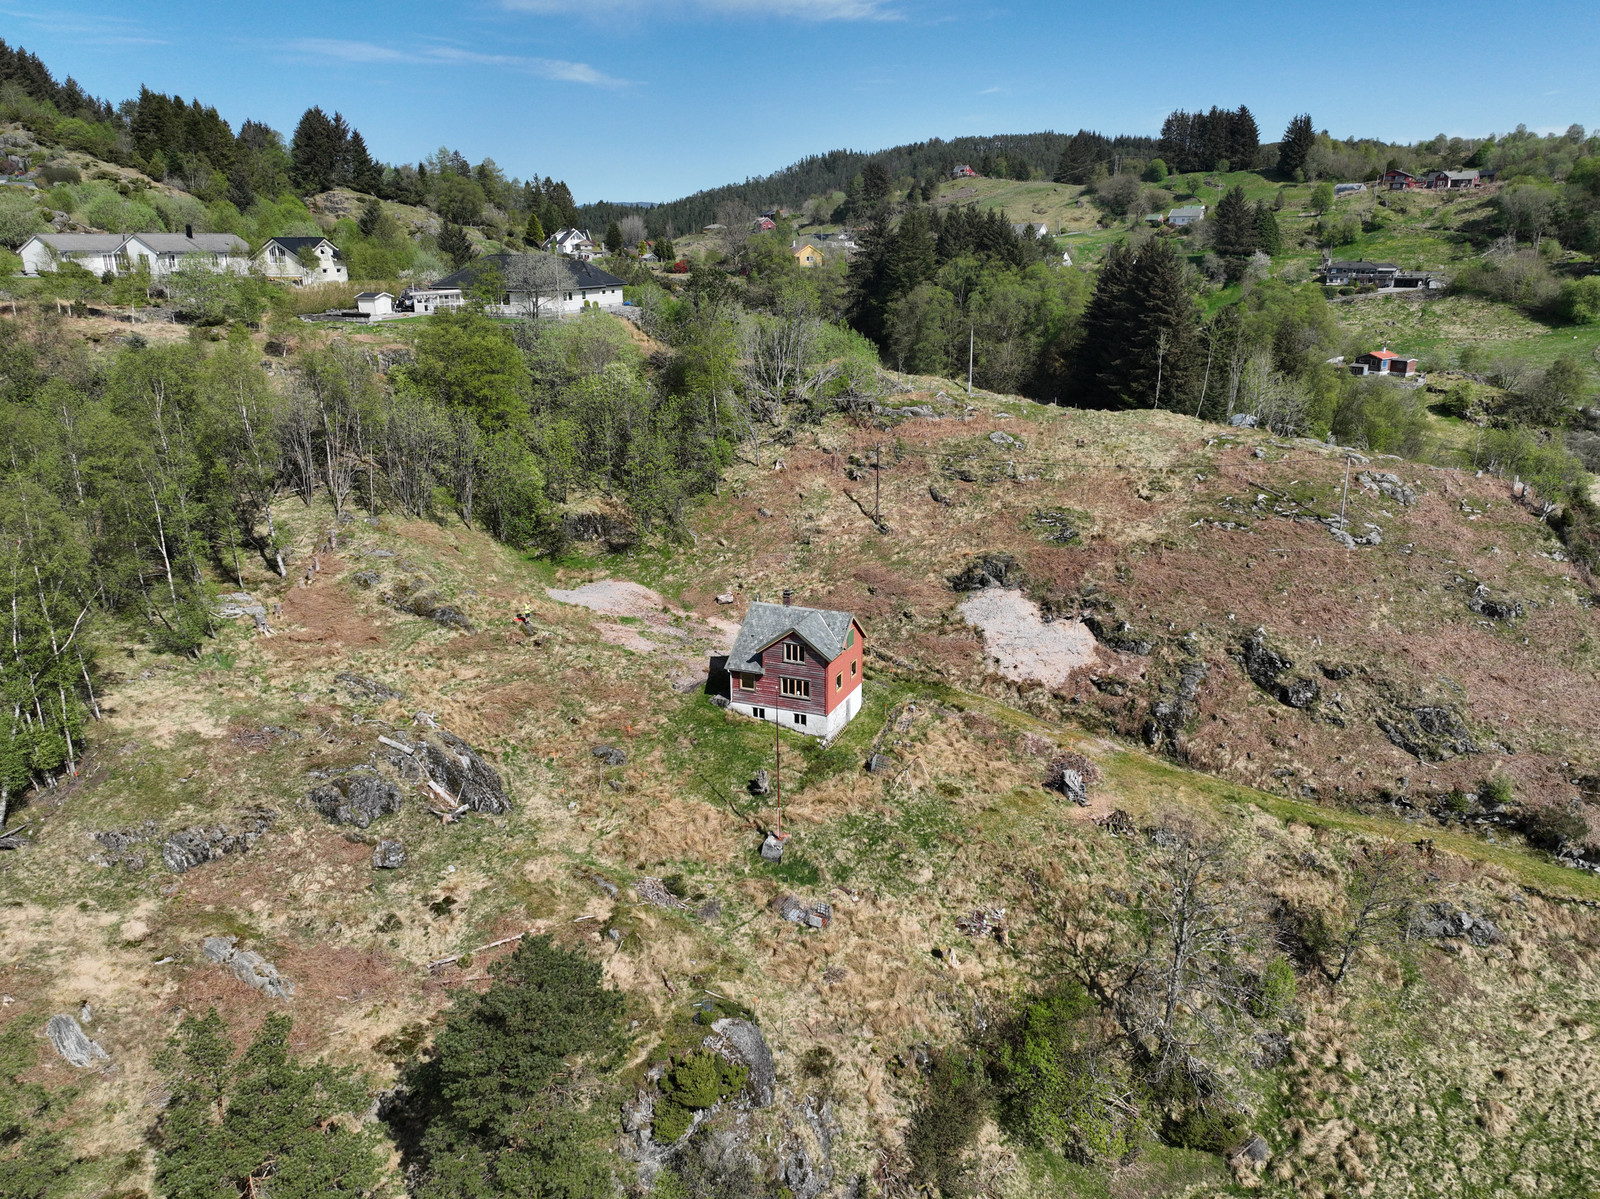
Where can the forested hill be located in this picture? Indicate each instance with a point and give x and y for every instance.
(1010, 155)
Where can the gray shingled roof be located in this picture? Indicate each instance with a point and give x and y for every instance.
(83, 243)
(200, 243)
(823, 629)
(580, 275)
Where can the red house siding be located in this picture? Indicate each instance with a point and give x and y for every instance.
(825, 695)
(844, 672)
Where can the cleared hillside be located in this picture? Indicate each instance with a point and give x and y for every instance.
(1446, 1065)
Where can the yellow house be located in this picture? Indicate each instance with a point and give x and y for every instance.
(807, 255)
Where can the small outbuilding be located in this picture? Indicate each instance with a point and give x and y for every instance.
(375, 304)
(1385, 362)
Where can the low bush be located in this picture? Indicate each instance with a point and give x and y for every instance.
(946, 1123)
(697, 1081)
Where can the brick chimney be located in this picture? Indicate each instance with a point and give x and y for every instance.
(788, 597)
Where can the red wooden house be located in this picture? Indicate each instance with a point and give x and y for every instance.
(1396, 180)
(799, 667)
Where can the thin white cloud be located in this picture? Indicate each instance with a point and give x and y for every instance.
(800, 10)
(555, 69)
(102, 31)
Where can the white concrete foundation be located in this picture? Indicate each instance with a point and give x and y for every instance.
(814, 726)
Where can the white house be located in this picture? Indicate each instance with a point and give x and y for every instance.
(119, 252)
(375, 305)
(1187, 215)
(574, 243)
(540, 284)
(425, 301)
(302, 260)
(96, 252)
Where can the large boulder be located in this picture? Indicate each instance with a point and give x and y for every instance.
(72, 1043)
(358, 800)
(741, 1042)
(462, 771)
(988, 570)
(248, 967)
(388, 855)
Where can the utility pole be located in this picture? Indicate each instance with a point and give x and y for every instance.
(970, 332)
(777, 772)
(1346, 494)
(877, 483)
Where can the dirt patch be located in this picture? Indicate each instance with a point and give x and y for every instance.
(1023, 644)
(612, 597)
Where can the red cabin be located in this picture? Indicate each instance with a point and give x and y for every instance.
(799, 667)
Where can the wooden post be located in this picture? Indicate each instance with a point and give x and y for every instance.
(777, 772)
(877, 482)
(970, 334)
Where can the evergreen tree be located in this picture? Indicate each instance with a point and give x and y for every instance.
(534, 234)
(1269, 237)
(314, 153)
(1139, 331)
(665, 251)
(1244, 139)
(613, 240)
(1083, 152)
(911, 256)
(875, 184)
(491, 1116)
(455, 245)
(365, 174)
(1298, 139)
(230, 1126)
(868, 277)
(1234, 231)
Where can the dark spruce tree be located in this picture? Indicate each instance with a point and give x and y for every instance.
(613, 240)
(1234, 231)
(365, 174)
(1298, 139)
(1139, 332)
(315, 152)
(1269, 237)
(1244, 139)
(1083, 152)
(455, 245)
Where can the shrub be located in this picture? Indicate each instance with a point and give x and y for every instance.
(1064, 1089)
(60, 172)
(947, 1122)
(1579, 301)
(1275, 989)
(695, 1082)
(1497, 789)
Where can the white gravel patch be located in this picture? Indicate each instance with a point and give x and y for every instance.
(1022, 644)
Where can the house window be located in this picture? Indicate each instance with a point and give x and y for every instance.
(800, 719)
(759, 713)
(852, 670)
(792, 652)
(795, 688)
(838, 681)
(747, 682)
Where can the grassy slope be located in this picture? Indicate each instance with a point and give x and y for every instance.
(965, 823)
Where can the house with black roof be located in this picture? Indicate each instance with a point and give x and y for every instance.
(302, 260)
(538, 284)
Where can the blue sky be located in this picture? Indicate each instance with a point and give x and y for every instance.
(652, 99)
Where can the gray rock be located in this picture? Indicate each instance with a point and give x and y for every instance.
(1503, 611)
(1387, 485)
(461, 770)
(365, 688)
(1118, 635)
(358, 800)
(388, 855)
(761, 784)
(1430, 732)
(367, 578)
(988, 570)
(741, 1042)
(72, 1043)
(248, 967)
(1000, 438)
(772, 849)
(1443, 920)
(1255, 1149)
(192, 847)
(610, 755)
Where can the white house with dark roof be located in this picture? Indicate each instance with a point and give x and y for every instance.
(375, 305)
(797, 667)
(540, 284)
(120, 252)
(574, 243)
(302, 260)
